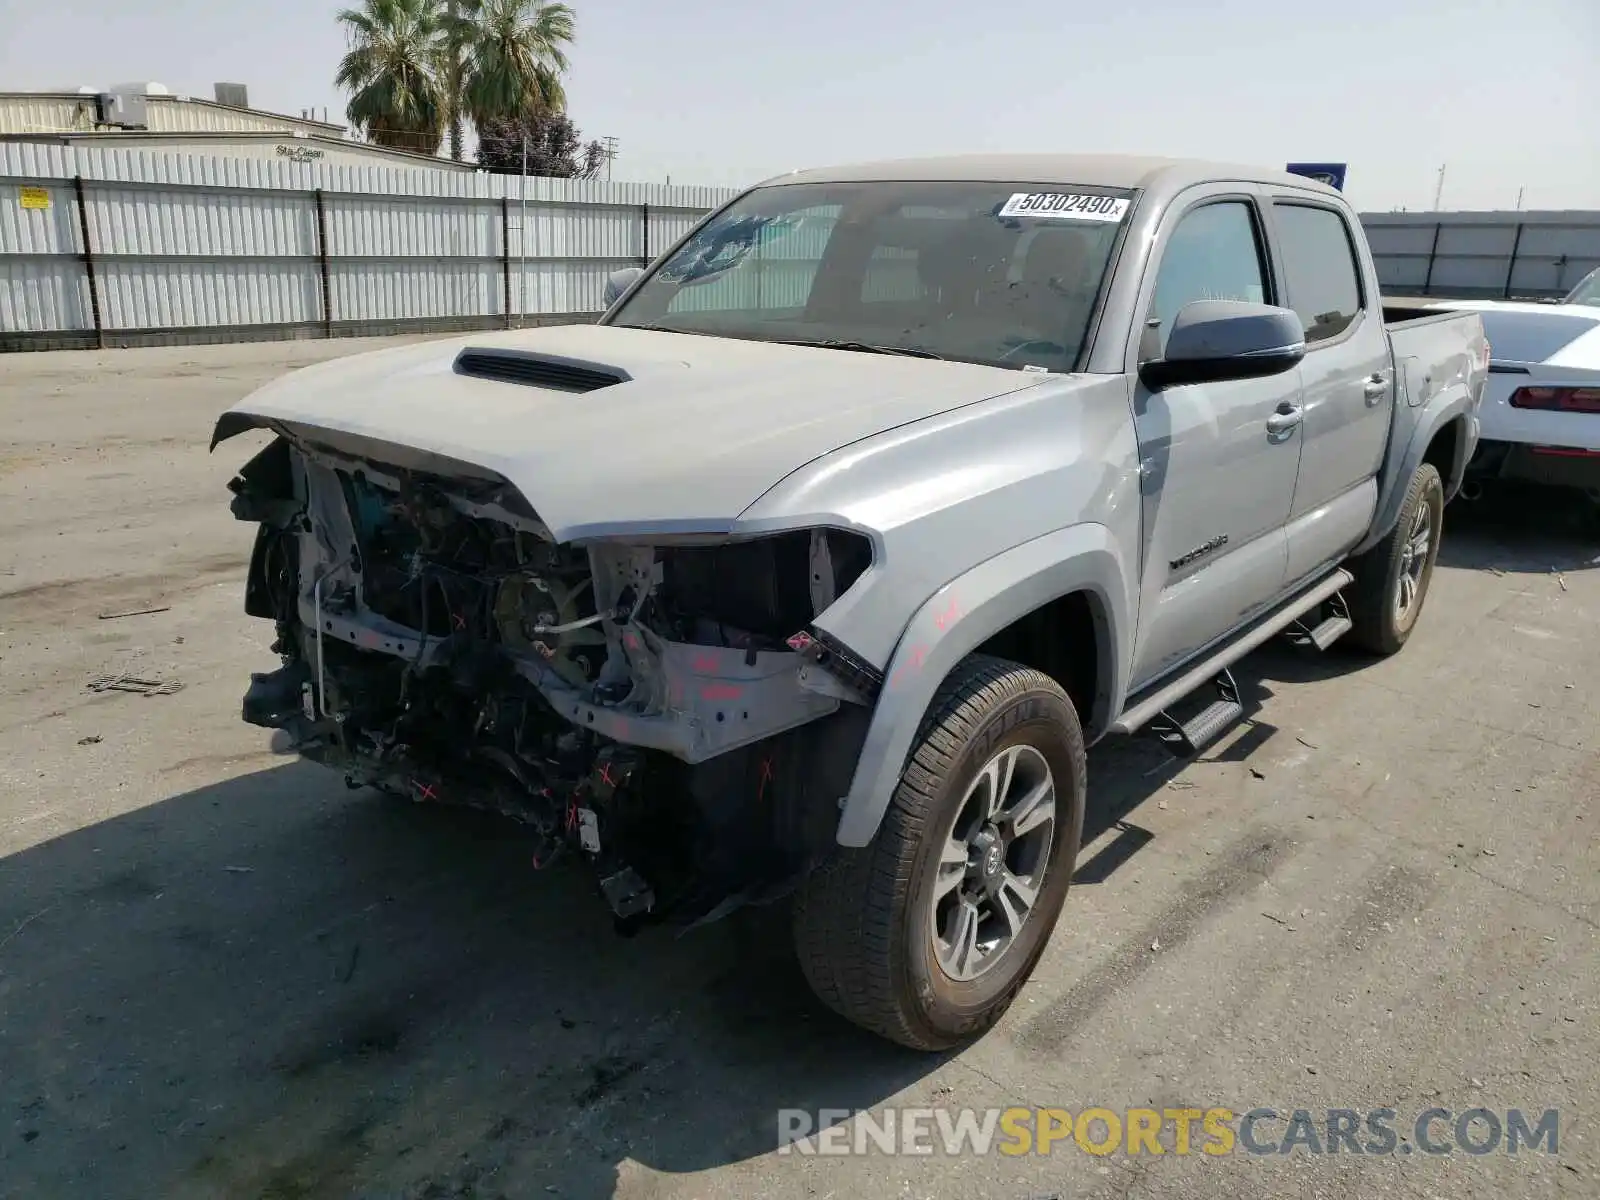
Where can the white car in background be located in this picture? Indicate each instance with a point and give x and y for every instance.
(1587, 291)
(1541, 410)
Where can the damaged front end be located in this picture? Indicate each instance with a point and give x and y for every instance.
(665, 710)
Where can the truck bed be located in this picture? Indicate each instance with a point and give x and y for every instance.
(1432, 342)
(1400, 315)
(1437, 353)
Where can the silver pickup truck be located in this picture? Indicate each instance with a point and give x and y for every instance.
(811, 569)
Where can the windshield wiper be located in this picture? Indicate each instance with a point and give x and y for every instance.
(655, 328)
(861, 347)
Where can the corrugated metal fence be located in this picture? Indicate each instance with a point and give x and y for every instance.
(104, 246)
(1483, 255)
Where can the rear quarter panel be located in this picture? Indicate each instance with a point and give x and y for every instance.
(1441, 367)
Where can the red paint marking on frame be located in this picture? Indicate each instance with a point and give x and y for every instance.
(721, 691)
(948, 617)
(705, 664)
(912, 665)
(630, 641)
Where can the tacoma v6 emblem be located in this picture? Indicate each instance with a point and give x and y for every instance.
(1199, 551)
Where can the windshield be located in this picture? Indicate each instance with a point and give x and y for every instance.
(1587, 292)
(1004, 274)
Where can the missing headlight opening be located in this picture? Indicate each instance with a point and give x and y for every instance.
(629, 702)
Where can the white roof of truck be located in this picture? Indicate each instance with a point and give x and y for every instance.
(1084, 170)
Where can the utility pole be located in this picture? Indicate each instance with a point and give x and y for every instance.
(1438, 192)
(611, 154)
(1520, 191)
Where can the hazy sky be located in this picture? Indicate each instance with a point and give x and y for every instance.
(1506, 92)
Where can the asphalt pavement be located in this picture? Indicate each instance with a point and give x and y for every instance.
(223, 974)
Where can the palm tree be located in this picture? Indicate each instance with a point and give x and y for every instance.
(457, 33)
(392, 72)
(509, 56)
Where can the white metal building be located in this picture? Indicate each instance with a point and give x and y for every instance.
(149, 116)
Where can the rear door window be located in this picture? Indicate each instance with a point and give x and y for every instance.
(1319, 263)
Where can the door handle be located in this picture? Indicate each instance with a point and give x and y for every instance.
(1285, 419)
(1375, 388)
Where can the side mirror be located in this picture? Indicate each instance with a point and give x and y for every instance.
(620, 281)
(1216, 340)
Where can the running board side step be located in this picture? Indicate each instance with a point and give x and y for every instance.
(1329, 630)
(1214, 667)
(1187, 739)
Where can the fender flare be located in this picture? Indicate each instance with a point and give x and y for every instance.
(960, 617)
(1459, 406)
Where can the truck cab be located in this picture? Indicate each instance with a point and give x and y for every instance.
(813, 568)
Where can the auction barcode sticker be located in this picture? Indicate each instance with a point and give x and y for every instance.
(1065, 206)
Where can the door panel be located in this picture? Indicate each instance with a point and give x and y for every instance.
(1213, 472)
(1347, 376)
(1325, 534)
(1217, 484)
(1349, 402)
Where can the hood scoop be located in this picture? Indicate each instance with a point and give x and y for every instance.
(538, 370)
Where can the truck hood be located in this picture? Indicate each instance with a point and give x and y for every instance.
(696, 432)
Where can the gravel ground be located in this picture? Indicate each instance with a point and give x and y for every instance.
(222, 974)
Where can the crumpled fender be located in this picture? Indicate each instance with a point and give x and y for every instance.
(960, 617)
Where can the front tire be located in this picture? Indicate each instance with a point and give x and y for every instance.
(926, 936)
(1392, 577)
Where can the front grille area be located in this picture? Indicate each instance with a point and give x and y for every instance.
(535, 370)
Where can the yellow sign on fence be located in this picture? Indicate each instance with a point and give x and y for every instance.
(35, 197)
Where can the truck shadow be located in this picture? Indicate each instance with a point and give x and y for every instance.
(1522, 529)
(1511, 530)
(1127, 772)
(274, 987)
(271, 987)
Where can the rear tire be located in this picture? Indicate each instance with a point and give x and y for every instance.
(1392, 577)
(904, 937)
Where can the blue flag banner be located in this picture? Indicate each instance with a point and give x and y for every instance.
(1331, 174)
